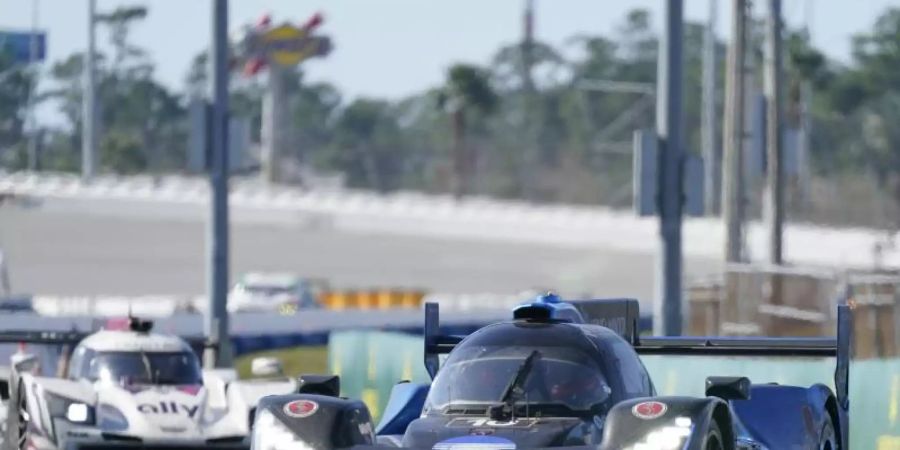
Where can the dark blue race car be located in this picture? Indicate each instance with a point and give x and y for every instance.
(558, 375)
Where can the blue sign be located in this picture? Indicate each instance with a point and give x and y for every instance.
(17, 45)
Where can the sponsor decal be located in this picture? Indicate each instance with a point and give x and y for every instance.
(649, 410)
(485, 422)
(301, 408)
(168, 407)
(189, 389)
(475, 443)
(481, 431)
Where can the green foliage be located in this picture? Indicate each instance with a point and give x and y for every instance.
(367, 145)
(119, 22)
(15, 84)
(467, 87)
(122, 152)
(467, 92)
(142, 123)
(486, 130)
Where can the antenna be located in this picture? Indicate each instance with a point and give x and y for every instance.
(136, 324)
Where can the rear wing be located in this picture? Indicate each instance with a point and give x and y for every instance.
(71, 338)
(622, 316)
(66, 340)
(838, 347)
(41, 337)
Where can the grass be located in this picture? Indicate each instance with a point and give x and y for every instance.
(296, 360)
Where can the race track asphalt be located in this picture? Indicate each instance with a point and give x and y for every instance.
(82, 247)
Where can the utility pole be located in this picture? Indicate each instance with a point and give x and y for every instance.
(712, 153)
(33, 157)
(774, 202)
(89, 108)
(667, 317)
(530, 149)
(733, 170)
(275, 124)
(804, 144)
(216, 326)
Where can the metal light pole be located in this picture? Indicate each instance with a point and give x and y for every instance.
(88, 119)
(216, 325)
(667, 317)
(774, 204)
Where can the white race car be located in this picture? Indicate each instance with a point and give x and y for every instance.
(132, 388)
(258, 291)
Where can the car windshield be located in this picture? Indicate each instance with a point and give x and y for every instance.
(481, 374)
(176, 368)
(267, 289)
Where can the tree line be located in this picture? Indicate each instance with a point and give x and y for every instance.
(545, 134)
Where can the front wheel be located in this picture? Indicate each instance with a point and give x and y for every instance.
(827, 438)
(713, 439)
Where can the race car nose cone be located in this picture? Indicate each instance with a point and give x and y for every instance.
(476, 442)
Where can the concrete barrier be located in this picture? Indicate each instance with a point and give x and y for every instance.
(162, 306)
(412, 213)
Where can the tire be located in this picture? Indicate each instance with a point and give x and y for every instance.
(713, 439)
(827, 437)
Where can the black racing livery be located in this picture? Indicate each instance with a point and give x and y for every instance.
(553, 377)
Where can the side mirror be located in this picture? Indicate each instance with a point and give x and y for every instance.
(329, 385)
(728, 388)
(266, 366)
(26, 362)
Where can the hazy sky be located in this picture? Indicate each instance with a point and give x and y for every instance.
(392, 48)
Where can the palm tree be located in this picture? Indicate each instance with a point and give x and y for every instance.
(467, 89)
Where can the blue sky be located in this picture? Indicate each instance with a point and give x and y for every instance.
(391, 48)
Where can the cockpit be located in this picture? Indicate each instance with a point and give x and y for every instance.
(521, 365)
(135, 367)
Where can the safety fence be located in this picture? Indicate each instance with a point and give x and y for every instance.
(370, 363)
(754, 300)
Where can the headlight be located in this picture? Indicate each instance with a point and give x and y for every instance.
(77, 412)
(669, 437)
(71, 410)
(110, 418)
(270, 434)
